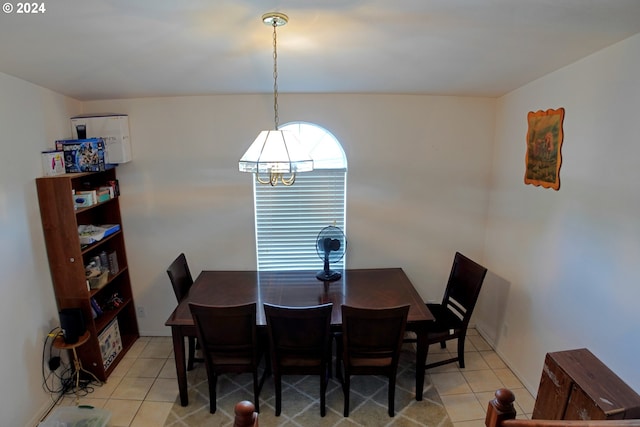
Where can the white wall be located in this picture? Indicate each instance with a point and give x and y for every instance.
(31, 118)
(416, 187)
(571, 258)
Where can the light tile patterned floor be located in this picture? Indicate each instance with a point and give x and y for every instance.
(142, 389)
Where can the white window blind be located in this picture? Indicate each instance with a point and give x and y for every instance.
(288, 219)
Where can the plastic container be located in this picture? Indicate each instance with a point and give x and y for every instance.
(99, 281)
(77, 416)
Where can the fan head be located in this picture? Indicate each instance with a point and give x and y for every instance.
(330, 245)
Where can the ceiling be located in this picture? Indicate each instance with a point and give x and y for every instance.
(105, 49)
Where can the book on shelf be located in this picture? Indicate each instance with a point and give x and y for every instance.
(102, 194)
(93, 233)
(95, 307)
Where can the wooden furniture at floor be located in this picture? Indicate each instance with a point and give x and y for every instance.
(371, 288)
(68, 258)
(299, 344)
(181, 281)
(575, 385)
(245, 415)
(501, 412)
(59, 343)
(371, 343)
(454, 312)
(229, 339)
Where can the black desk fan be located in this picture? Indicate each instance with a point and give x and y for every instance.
(330, 245)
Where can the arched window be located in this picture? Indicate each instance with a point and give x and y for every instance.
(289, 218)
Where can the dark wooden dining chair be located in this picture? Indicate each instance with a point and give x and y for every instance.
(452, 316)
(181, 281)
(229, 339)
(299, 343)
(371, 343)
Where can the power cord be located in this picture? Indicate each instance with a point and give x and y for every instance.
(50, 361)
(60, 380)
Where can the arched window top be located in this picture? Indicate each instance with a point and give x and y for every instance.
(324, 148)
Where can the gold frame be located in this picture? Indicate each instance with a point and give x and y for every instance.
(544, 142)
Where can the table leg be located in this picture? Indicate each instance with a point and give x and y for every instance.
(181, 368)
(421, 359)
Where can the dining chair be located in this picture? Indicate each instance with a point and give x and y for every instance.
(453, 314)
(371, 343)
(300, 344)
(229, 339)
(181, 281)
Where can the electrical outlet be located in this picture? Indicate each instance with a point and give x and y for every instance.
(141, 312)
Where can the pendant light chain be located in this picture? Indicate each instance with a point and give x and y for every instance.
(271, 153)
(275, 75)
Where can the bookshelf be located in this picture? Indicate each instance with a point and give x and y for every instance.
(68, 258)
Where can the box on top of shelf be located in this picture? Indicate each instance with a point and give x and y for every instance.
(82, 155)
(113, 128)
(53, 163)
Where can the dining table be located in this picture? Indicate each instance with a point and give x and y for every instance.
(368, 288)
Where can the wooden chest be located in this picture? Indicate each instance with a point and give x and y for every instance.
(576, 385)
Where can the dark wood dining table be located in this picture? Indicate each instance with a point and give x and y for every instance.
(371, 288)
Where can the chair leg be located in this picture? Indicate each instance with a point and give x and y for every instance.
(192, 353)
(339, 349)
(330, 356)
(278, 386)
(345, 390)
(461, 350)
(443, 344)
(212, 393)
(392, 395)
(323, 392)
(256, 390)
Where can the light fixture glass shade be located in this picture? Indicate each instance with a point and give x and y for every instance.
(276, 152)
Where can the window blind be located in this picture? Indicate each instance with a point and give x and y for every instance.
(289, 218)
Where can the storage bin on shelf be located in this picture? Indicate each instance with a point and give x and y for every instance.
(99, 281)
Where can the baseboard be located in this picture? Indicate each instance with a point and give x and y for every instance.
(530, 388)
(41, 414)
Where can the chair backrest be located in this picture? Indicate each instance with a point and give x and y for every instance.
(299, 332)
(227, 333)
(180, 276)
(463, 287)
(373, 333)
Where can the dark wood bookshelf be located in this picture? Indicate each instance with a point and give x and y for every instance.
(68, 258)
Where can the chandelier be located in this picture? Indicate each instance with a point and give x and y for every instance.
(275, 155)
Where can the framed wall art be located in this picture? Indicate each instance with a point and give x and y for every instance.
(544, 142)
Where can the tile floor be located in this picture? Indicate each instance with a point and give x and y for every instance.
(142, 389)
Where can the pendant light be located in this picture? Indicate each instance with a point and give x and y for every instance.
(275, 155)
